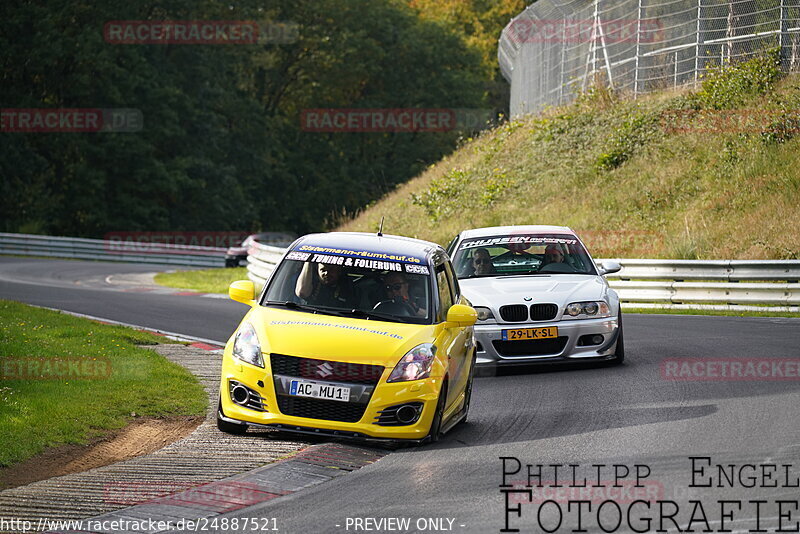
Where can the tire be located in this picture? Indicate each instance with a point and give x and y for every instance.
(229, 428)
(436, 425)
(468, 395)
(619, 353)
(468, 388)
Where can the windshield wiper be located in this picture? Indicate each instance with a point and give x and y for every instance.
(502, 275)
(375, 315)
(339, 312)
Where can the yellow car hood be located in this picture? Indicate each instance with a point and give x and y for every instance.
(329, 337)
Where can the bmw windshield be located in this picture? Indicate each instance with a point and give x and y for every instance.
(524, 254)
(352, 287)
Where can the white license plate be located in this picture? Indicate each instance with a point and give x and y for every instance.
(300, 388)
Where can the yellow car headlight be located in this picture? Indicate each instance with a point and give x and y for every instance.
(246, 346)
(415, 365)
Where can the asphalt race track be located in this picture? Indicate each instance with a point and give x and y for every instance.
(627, 416)
(81, 287)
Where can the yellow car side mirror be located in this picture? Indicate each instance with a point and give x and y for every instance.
(462, 315)
(243, 291)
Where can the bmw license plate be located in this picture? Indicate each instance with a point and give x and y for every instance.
(525, 334)
(301, 388)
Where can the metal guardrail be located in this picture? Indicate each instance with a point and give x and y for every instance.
(122, 251)
(261, 261)
(711, 293)
(713, 284)
(646, 283)
(718, 270)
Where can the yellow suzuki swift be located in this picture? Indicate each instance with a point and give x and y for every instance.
(355, 335)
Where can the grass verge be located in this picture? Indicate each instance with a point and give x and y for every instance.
(204, 281)
(713, 173)
(65, 380)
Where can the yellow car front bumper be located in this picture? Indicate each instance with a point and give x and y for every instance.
(384, 395)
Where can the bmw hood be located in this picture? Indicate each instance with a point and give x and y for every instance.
(561, 289)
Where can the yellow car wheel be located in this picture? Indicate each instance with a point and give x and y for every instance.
(436, 425)
(468, 396)
(229, 428)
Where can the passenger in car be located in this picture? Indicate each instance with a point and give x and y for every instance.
(325, 285)
(397, 290)
(552, 254)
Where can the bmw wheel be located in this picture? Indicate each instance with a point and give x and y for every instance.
(619, 353)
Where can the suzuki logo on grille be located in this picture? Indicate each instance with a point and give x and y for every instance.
(325, 370)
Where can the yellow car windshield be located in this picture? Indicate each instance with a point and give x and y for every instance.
(368, 289)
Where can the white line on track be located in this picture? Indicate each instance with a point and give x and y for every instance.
(171, 335)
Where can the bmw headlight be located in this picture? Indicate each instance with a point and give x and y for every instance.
(587, 310)
(484, 314)
(415, 365)
(246, 346)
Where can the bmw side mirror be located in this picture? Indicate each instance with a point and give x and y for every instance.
(609, 267)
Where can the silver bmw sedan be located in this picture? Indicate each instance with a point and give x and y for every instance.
(539, 295)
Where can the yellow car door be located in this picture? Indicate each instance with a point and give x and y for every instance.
(455, 340)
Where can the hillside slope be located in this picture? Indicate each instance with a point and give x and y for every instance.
(713, 173)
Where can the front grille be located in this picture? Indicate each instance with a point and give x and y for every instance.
(530, 347)
(515, 313)
(348, 412)
(543, 312)
(349, 373)
(329, 371)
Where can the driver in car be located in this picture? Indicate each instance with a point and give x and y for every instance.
(482, 262)
(397, 290)
(330, 286)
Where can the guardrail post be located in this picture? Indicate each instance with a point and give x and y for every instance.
(783, 36)
(675, 75)
(563, 57)
(639, 17)
(605, 47)
(697, 42)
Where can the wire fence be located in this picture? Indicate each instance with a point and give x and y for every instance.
(556, 49)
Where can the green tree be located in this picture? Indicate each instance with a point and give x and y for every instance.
(221, 146)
